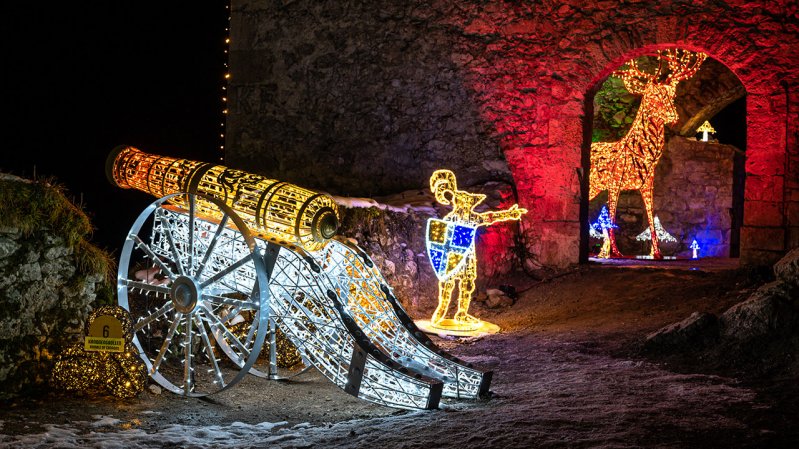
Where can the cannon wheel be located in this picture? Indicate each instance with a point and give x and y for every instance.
(196, 291)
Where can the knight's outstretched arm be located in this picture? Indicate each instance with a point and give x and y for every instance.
(491, 217)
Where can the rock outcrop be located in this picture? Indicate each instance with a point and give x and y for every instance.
(48, 279)
(761, 331)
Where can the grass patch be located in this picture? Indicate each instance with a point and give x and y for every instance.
(33, 206)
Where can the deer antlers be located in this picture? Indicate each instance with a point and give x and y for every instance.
(681, 64)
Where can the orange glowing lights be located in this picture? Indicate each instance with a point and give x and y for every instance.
(275, 210)
(629, 164)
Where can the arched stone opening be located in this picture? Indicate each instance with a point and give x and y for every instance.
(769, 222)
(698, 185)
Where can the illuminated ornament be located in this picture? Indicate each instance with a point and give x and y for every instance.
(450, 248)
(661, 233)
(600, 229)
(593, 233)
(695, 247)
(629, 164)
(106, 361)
(705, 129)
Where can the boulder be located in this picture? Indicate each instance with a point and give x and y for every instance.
(694, 332)
(497, 301)
(771, 311)
(787, 268)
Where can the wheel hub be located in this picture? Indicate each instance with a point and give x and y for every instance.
(185, 294)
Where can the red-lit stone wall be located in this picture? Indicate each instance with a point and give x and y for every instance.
(472, 76)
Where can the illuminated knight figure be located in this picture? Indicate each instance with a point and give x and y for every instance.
(629, 164)
(450, 245)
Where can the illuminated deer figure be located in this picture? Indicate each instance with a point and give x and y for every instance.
(629, 164)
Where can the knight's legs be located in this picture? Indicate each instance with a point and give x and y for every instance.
(465, 290)
(444, 296)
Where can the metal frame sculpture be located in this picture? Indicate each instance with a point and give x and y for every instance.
(450, 247)
(629, 164)
(213, 267)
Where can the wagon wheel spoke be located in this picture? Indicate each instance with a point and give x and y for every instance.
(146, 320)
(184, 323)
(212, 245)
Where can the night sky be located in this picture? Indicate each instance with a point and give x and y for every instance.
(82, 78)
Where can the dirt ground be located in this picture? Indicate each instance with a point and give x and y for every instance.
(567, 374)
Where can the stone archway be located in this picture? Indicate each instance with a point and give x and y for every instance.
(763, 235)
(696, 183)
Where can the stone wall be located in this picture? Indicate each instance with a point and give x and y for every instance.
(693, 199)
(367, 98)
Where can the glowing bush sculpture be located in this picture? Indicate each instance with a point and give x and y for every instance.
(450, 247)
(629, 164)
(120, 373)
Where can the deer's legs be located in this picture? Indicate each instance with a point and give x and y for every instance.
(613, 199)
(646, 195)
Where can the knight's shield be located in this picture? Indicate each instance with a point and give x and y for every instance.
(448, 246)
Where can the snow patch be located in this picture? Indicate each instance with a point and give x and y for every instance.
(235, 435)
(365, 203)
(103, 421)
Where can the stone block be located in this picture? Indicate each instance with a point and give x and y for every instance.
(763, 239)
(765, 163)
(760, 258)
(762, 213)
(764, 188)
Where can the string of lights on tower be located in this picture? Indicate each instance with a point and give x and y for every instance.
(225, 82)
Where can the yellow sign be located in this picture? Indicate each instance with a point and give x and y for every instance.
(105, 335)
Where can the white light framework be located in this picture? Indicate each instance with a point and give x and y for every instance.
(332, 304)
(377, 312)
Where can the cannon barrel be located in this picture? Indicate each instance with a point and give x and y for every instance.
(275, 210)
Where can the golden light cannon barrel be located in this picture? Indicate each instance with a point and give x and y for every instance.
(272, 209)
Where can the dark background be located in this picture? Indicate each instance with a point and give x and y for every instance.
(82, 78)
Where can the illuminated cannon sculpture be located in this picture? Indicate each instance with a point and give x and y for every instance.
(271, 209)
(224, 257)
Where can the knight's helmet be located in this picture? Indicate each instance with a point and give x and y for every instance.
(441, 182)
